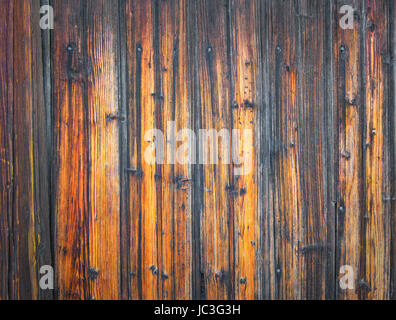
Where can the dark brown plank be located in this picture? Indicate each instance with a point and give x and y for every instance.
(6, 142)
(214, 112)
(284, 182)
(392, 133)
(29, 245)
(297, 210)
(265, 140)
(313, 247)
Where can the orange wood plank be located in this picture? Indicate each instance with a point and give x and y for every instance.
(375, 283)
(103, 145)
(87, 174)
(143, 192)
(245, 64)
(173, 106)
(70, 151)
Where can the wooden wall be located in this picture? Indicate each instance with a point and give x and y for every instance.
(76, 191)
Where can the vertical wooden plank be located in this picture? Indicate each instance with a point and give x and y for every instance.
(173, 112)
(329, 136)
(313, 247)
(141, 117)
(6, 142)
(41, 161)
(70, 149)
(392, 133)
(265, 138)
(349, 101)
(378, 206)
(214, 86)
(23, 283)
(86, 129)
(297, 210)
(246, 102)
(198, 280)
(29, 245)
(284, 181)
(124, 160)
(103, 162)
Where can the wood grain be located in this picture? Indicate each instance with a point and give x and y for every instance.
(311, 129)
(246, 102)
(349, 167)
(175, 179)
(6, 143)
(143, 193)
(70, 152)
(87, 168)
(375, 284)
(214, 89)
(25, 224)
(276, 216)
(285, 189)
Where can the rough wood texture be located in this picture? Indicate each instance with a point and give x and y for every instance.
(348, 105)
(377, 145)
(77, 191)
(25, 221)
(6, 144)
(86, 119)
(214, 94)
(245, 52)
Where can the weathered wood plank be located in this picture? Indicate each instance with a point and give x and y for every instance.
(329, 136)
(214, 73)
(392, 134)
(265, 139)
(23, 278)
(294, 76)
(349, 102)
(70, 149)
(29, 224)
(103, 159)
(173, 112)
(375, 282)
(313, 247)
(246, 102)
(6, 142)
(141, 116)
(86, 113)
(41, 157)
(285, 180)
